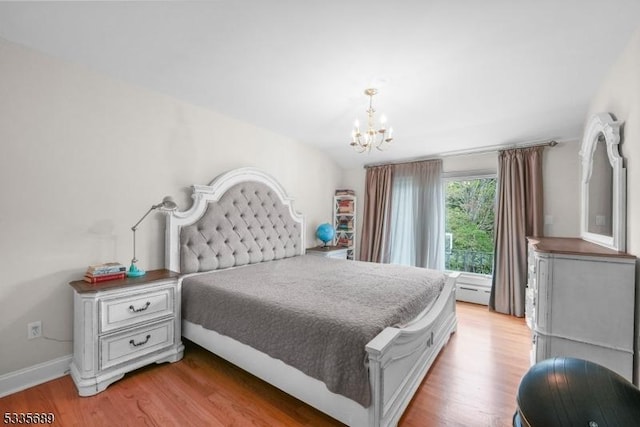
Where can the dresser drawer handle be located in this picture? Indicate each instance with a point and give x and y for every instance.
(137, 310)
(138, 344)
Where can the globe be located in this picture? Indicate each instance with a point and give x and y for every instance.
(325, 232)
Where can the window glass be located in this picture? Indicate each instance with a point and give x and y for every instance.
(469, 212)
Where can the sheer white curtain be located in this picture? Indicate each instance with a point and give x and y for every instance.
(417, 215)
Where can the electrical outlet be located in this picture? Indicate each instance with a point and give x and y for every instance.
(34, 329)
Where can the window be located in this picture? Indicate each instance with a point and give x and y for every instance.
(469, 221)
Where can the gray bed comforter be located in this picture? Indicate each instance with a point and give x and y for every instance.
(313, 313)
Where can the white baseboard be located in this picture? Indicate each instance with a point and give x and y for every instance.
(33, 375)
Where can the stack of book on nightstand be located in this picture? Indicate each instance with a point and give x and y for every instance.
(103, 272)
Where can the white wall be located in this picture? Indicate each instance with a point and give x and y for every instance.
(83, 157)
(561, 177)
(470, 162)
(619, 94)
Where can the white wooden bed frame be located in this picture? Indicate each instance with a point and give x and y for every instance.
(399, 358)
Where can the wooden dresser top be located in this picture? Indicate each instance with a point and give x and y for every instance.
(573, 246)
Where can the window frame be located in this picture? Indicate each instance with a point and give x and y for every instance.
(470, 278)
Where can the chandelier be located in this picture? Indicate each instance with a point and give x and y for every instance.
(371, 137)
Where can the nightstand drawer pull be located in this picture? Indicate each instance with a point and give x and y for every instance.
(138, 310)
(121, 347)
(138, 344)
(135, 308)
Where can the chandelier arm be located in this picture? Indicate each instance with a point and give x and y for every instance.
(360, 148)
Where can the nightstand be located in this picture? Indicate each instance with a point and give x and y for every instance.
(122, 325)
(329, 251)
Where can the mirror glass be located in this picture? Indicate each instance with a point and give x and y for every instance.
(600, 187)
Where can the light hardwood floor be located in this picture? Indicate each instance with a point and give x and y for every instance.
(472, 383)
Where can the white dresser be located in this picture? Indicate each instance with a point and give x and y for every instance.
(123, 325)
(580, 302)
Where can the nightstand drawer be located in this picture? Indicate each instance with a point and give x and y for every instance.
(132, 309)
(119, 348)
(338, 252)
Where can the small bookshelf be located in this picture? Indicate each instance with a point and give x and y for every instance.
(344, 221)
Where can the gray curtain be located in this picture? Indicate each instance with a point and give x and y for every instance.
(374, 243)
(417, 213)
(519, 214)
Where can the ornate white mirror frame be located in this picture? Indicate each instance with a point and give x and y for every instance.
(603, 128)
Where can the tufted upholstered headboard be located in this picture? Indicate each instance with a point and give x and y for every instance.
(242, 217)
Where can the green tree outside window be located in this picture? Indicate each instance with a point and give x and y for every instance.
(470, 207)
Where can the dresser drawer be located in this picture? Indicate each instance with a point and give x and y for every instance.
(119, 348)
(131, 309)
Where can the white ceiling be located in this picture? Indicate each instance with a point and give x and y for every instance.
(452, 74)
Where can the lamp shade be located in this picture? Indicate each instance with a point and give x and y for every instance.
(168, 204)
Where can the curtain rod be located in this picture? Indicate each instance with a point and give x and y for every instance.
(489, 149)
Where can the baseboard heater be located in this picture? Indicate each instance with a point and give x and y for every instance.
(476, 294)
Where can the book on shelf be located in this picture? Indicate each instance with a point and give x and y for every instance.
(345, 224)
(105, 277)
(343, 241)
(345, 207)
(345, 192)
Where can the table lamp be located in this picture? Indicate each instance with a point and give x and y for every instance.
(167, 204)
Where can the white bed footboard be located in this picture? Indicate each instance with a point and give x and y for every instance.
(399, 358)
